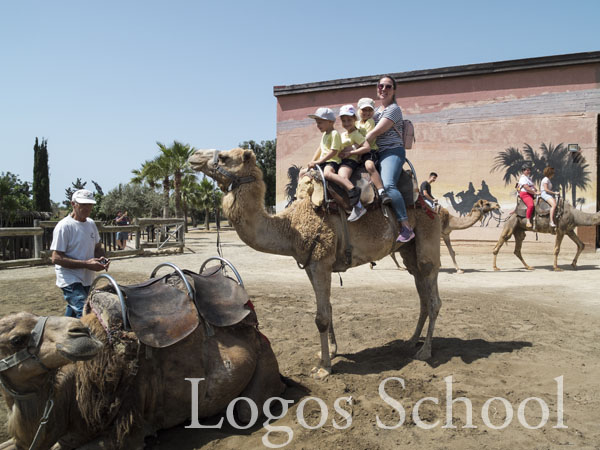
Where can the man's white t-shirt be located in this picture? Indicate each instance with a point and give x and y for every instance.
(77, 240)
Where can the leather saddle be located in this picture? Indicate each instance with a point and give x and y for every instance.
(161, 312)
(368, 196)
(542, 207)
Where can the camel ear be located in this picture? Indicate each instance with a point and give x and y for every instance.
(248, 155)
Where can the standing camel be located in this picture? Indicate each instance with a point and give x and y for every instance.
(451, 223)
(317, 241)
(570, 218)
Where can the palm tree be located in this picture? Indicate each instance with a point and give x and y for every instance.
(152, 171)
(511, 161)
(178, 154)
(204, 198)
(578, 175)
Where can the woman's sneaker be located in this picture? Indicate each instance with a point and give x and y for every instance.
(406, 235)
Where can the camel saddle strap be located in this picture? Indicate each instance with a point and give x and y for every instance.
(159, 313)
(220, 300)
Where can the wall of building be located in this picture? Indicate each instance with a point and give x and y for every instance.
(462, 123)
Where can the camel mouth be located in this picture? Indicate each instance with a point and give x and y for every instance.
(80, 349)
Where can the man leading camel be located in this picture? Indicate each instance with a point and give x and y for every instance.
(77, 252)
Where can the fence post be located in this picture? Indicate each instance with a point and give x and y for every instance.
(37, 241)
(138, 234)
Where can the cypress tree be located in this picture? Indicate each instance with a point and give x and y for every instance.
(41, 178)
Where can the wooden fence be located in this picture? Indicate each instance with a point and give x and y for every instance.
(22, 246)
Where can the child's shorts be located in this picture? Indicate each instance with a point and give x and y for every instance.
(333, 164)
(350, 163)
(372, 155)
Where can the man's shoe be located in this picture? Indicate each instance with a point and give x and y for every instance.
(357, 212)
(406, 235)
(385, 199)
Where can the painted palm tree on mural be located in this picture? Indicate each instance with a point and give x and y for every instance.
(571, 170)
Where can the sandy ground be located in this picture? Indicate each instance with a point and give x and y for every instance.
(506, 334)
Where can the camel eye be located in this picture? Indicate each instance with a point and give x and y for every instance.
(223, 158)
(19, 340)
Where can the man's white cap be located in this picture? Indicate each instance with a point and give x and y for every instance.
(323, 113)
(366, 102)
(83, 197)
(347, 110)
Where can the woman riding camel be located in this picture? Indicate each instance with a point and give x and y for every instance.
(527, 190)
(392, 155)
(547, 192)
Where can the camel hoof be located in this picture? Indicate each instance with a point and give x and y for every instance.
(423, 354)
(319, 373)
(574, 266)
(460, 271)
(496, 269)
(530, 268)
(558, 269)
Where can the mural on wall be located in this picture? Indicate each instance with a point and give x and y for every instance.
(469, 196)
(290, 188)
(572, 170)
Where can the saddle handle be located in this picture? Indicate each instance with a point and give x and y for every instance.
(189, 288)
(119, 293)
(324, 183)
(223, 261)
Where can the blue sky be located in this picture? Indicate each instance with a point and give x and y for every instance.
(102, 81)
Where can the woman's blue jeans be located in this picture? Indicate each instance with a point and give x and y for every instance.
(390, 169)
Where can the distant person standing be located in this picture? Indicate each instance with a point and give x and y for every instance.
(426, 189)
(122, 236)
(77, 252)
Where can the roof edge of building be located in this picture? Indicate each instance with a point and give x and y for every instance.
(445, 72)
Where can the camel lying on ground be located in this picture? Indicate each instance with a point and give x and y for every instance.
(126, 391)
(316, 240)
(565, 225)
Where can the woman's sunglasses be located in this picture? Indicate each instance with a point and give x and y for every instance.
(383, 87)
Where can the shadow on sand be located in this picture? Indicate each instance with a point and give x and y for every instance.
(398, 353)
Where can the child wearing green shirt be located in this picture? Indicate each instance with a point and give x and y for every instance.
(327, 155)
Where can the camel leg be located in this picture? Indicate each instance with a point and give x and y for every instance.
(423, 263)
(519, 237)
(320, 278)
(507, 232)
(580, 247)
(557, 244)
(446, 238)
(393, 255)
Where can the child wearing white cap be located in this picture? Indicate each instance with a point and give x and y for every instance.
(327, 154)
(366, 109)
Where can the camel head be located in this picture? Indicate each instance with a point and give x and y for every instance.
(485, 206)
(63, 340)
(225, 166)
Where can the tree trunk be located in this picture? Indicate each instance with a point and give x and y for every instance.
(166, 189)
(207, 219)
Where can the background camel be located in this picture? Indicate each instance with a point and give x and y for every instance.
(565, 225)
(316, 240)
(451, 223)
(127, 392)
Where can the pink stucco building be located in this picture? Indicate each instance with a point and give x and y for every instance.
(464, 117)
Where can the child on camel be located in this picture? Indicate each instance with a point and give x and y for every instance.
(327, 155)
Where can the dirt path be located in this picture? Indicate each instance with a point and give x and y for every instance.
(508, 334)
